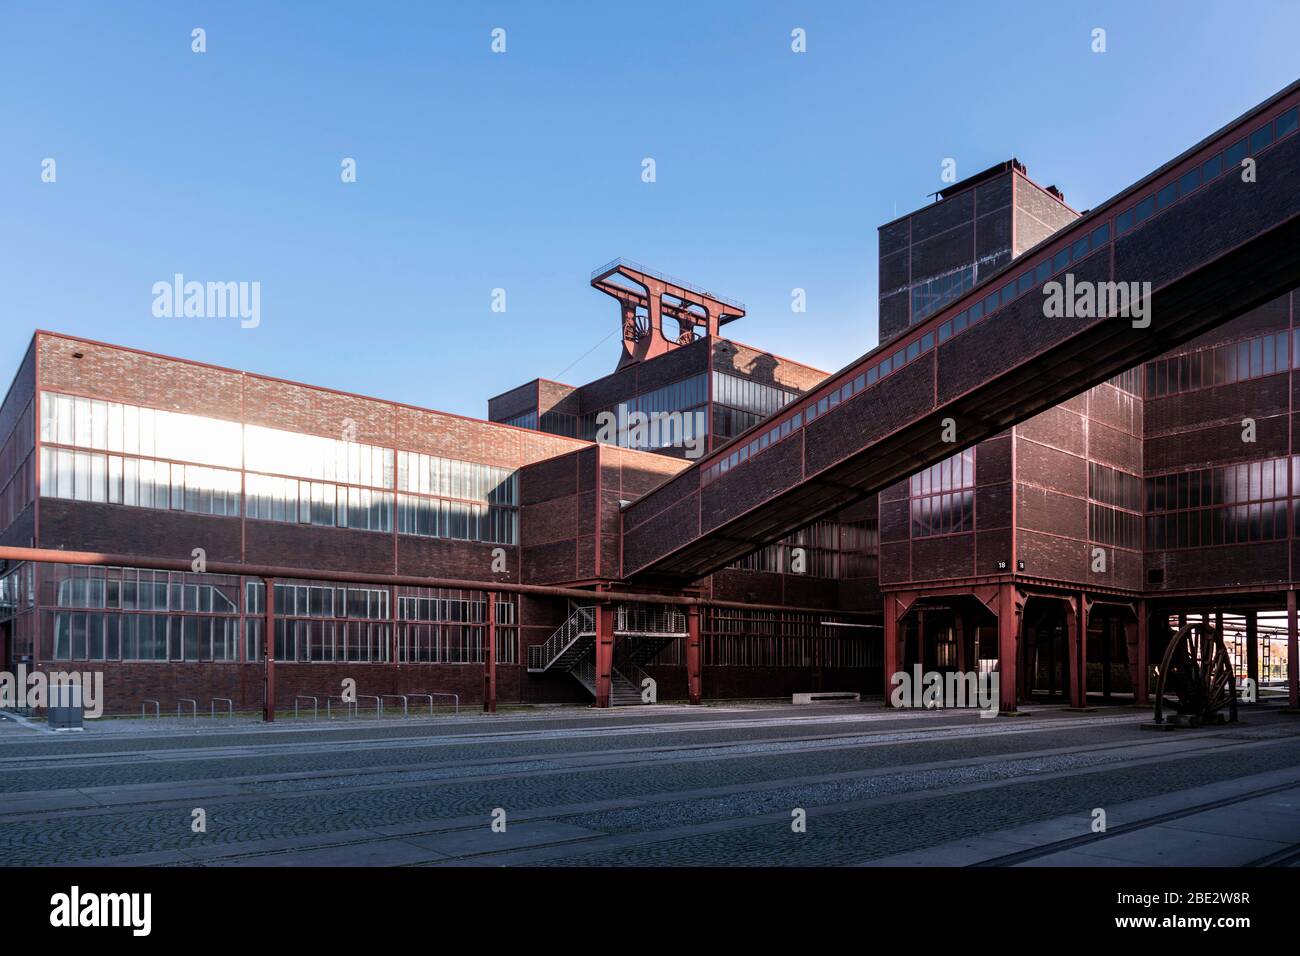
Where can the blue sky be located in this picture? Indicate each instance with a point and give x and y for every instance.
(523, 170)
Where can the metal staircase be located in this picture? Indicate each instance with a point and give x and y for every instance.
(640, 633)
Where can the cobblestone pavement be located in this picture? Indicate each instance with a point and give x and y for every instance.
(736, 785)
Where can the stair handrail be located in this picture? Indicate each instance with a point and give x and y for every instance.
(581, 621)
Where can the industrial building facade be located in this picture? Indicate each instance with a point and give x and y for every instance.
(1059, 551)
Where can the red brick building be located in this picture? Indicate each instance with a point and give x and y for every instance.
(1060, 549)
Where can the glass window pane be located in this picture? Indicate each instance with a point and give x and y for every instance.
(1261, 138)
(1288, 121)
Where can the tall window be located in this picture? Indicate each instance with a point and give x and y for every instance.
(943, 497)
(443, 498)
(1114, 508)
(1231, 504)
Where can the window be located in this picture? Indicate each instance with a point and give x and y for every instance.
(1261, 138)
(1231, 504)
(943, 497)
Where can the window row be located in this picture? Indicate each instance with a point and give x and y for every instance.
(749, 395)
(1207, 527)
(524, 420)
(1113, 487)
(831, 549)
(453, 644)
(318, 503)
(132, 589)
(133, 430)
(954, 472)
(1225, 485)
(99, 636)
(278, 452)
(1227, 161)
(1119, 529)
(1129, 381)
(310, 641)
(730, 422)
(560, 423)
(931, 296)
(301, 599)
(684, 396)
(458, 520)
(737, 638)
(785, 428)
(452, 606)
(449, 478)
(139, 482)
(952, 513)
(1073, 253)
(1222, 365)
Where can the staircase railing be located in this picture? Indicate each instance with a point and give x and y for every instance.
(640, 619)
(581, 621)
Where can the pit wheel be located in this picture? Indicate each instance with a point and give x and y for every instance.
(1196, 673)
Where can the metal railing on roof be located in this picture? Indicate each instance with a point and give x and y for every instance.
(672, 280)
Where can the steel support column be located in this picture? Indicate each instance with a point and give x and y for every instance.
(1142, 683)
(891, 644)
(1009, 613)
(490, 668)
(694, 684)
(604, 653)
(1252, 648)
(268, 653)
(1292, 652)
(1077, 649)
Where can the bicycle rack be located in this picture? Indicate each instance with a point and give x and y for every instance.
(349, 706)
(428, 697)
(230, 707)
(379, 704)
(455, 699)
(402, 698)
(315, 705)
(157, 708)
(194, 705)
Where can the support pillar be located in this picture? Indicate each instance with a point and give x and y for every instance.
(694, 684)
(490, 667)
(1009, 611)
(604, 654)
(959, 634)
(1077, 649)
(1292, 652)
(891, 644)
(1141, 686)
(1107, 647)
(268, 653)
(1252, 649)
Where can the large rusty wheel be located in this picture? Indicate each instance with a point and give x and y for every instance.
(1197, 672)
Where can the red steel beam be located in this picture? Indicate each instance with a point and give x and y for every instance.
(268, 656)
(103, 559)
(490, 669)
(694, 689)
